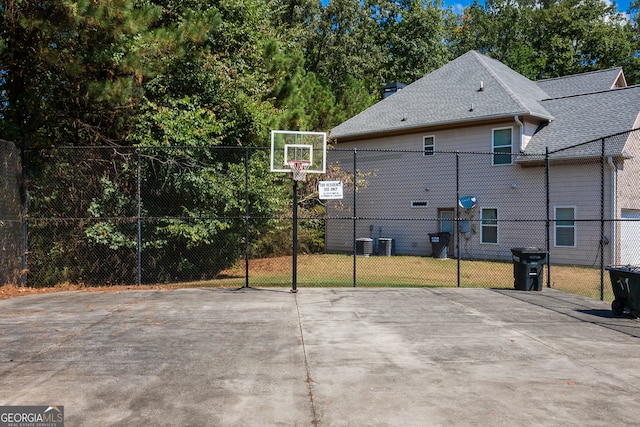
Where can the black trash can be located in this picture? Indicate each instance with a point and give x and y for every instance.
(440, 244)
(528, 267)
(385, 246)
(625, 282)
(364, 246)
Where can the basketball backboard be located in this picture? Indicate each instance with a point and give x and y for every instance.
(287, 145)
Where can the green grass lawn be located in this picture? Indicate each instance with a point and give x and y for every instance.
(403, 271)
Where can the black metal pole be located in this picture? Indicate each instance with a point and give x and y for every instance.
(548, 220)
(294, 270)
(139, 224)
(355, 154)
(24, 263)
(602, 221)
(457, 213)
(246, 217)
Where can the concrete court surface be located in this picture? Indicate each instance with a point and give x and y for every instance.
(327, 357)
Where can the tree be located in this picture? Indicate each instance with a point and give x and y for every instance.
(149, 74)
(631, 63)
(548, 39)
(74, 70)
(213, 94)
(342, 44)
(575, 36)
(416, 41)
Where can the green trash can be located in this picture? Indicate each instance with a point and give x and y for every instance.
(625, 282)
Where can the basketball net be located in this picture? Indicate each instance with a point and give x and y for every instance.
(299, 169)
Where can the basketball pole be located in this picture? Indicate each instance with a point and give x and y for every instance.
(294, 269)
(296, 150)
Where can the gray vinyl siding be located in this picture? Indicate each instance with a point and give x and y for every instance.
(579, 186)
(450, 104)
(396, 179)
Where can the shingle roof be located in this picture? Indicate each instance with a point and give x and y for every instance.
(473, 87)
(579, 84)
(451, 94)
(580, 118)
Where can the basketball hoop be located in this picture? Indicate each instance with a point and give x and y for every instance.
(299, 169)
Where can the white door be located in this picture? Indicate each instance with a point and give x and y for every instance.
(630, 237)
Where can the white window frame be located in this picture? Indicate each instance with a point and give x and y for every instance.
(556, 226)
(431, 145)
(482, 226)
(493, 147)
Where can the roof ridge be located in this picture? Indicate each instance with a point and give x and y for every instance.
(506, 87)
(577, 74)
(593, 93)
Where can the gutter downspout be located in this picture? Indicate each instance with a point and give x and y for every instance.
(613, 241)
(517, 119)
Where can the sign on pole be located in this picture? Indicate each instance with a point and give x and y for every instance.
(330, 190)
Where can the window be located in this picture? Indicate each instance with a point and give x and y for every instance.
(428, 145)
(502, 146)
(565, 227)
(419, 204)
(489, 226)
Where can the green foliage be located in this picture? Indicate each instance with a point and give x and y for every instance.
(81, 207)
(416, 46)
(113, 203)
(182, 122)
(82, 72)
(550, 39)
(153, 74)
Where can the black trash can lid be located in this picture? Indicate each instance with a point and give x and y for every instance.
(527, 250)
(624, 268)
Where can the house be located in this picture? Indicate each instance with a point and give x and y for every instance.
(411, 141)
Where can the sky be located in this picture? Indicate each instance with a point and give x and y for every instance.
(458, 6)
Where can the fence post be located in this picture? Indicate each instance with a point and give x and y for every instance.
(139, 212)
(24, 262)
(602, 153)
(457, 215)
(246, 217)
(355, 155)
(548, 220)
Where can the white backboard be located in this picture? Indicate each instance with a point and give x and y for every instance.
(289, 145)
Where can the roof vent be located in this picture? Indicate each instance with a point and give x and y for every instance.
(481, 86)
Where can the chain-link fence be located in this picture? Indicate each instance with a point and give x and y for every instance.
(594, 211)
(456, 212)
(217, 216)
(10, 214)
